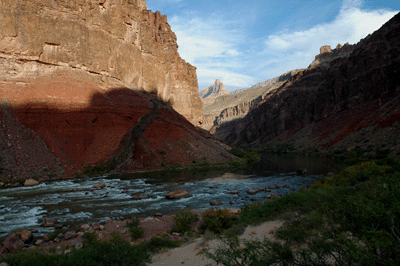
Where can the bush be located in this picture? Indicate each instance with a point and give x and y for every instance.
(184, 221)
(156, 243)
(135, 230)
(114, 252)
(352, 218)
(217, 220)
(237, 152)
(251, 157)
(95, 170)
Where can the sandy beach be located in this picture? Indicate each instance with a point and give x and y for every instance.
(189, 254)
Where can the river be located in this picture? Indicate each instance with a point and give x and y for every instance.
(25, 207)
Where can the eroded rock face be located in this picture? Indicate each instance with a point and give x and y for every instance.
(80, 85)
(238, 104)
(347, 97)
(82, 125)
(210, 94)
(114, 40)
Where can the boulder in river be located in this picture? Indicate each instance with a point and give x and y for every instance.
(49, 222)
(140, 197)
(100, 186)
(275, 186)
(31, 182)
(234, 192)
(215, 202)
(251, 191)
(178, 194)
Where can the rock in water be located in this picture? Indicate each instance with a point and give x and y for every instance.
(178, 194)
(31, 182)
(215, 202)
(49, 222)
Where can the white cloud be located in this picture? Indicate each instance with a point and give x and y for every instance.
(229, 77)
(219, 48)
(213, 46)
(298, 49)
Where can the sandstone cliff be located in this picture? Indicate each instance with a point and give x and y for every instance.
(346, 98)
(210, 94)
(113, 39)
(79, 82)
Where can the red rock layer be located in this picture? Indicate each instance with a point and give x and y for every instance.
(84, 124)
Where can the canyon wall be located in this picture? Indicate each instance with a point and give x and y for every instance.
(237, 104)
(113, 39)
(349, 97)
(80, 85)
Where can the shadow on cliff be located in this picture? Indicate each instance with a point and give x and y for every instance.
(130, 130)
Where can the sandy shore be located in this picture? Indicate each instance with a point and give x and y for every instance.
(188, 254)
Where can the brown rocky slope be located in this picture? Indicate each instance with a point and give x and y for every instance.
(343, 100)
(79, 82)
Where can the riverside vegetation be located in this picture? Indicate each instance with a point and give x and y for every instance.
(352, 218)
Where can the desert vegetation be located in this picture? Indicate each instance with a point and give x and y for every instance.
(351, 218)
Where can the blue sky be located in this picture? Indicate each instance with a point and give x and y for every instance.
(245, 42)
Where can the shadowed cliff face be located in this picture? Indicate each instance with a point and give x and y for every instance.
(342, 102)
(64, 122)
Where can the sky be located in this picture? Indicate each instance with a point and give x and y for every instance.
(242, 42)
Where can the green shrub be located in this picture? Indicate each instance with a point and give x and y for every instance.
(157, 243)
(184, 220)
(251, 157)
(217, 220)
(135, 230)
(117, 251)
(352, 218)
(237, 152)
(95, 170)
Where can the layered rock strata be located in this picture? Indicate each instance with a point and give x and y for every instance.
(237, 105)
(113, 39)
(67, 122)
(84, 83)
(343, 100)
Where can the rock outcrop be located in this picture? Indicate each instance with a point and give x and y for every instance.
(210, 94)
(237, 105)
(84, 83)
(348, 97)
(113, 40)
